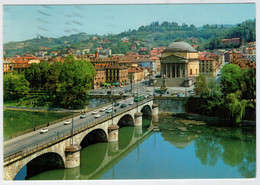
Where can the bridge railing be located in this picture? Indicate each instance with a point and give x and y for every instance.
(67, 134)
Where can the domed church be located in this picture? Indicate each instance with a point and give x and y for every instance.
(179, 60)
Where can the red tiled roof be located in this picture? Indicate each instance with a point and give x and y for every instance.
(205, 58)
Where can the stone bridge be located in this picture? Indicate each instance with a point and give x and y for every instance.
(63, 151)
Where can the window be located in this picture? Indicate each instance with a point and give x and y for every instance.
(190, 71)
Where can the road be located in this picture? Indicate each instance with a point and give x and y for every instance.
(19, 143)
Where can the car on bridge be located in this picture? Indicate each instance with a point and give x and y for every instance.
(108, 110)
(97, 115)
(102, 110)
(82, 116)
(131, 103)
(44, 130)
(116, 104)
(67, 122)
(123, 105)
(94, 112)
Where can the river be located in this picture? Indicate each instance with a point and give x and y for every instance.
(182, 149)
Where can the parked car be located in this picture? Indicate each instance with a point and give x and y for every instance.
(116, 104)
(97, 115)
(101, 92)
(67, 122)
(123, 105)
(148, 90)
(83, 116)
(131, 103)
(44, 130)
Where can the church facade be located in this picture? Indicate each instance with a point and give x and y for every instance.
(179, 60)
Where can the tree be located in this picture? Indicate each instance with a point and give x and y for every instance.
(15, 86)
(200, 85)
(76, 79)
(248, 84)
(235, 106)
(231, 78)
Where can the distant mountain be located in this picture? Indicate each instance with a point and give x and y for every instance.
(154, 35)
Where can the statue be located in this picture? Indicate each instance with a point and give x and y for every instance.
(164, 82)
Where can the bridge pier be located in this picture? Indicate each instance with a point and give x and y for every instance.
(72, 155)
(112, 133)
(138, 118)
(155, 112)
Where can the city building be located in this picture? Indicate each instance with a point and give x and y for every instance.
(208, 65)
(116, 74)
(135, 74)
(100, 76)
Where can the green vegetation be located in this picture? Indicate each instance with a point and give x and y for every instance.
(15, 86)
(57, 85)
(17, 121)
(234, 100)
(153, 35)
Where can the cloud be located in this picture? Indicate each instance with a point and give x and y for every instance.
(42, 20)
(43, 13)
(76, 22)
(41, 28)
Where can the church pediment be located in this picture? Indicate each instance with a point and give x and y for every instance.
(173, 57)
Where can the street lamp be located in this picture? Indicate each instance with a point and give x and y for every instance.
(33, 118)
(71, 126)
(113, 106)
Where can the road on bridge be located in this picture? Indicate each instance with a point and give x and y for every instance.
(33, 138)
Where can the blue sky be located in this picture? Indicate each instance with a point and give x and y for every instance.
(25, 22)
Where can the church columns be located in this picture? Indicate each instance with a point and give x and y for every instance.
(175, 67)
(186, 68)
(180, 70)
(171, 70)
(166, 72)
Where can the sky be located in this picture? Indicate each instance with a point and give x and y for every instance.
(22, 22)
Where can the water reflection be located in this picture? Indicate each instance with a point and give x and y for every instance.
(179, 139)
(236, 147)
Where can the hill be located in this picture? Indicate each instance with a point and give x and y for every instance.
(154, 35)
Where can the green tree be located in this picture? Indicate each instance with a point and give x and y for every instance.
(235, 106)
(200, 85)
(76, 79)
(231, 78)
(15, 86)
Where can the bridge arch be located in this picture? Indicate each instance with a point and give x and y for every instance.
(95, 136)
(126, 120)
(44, 162)
(146, 110)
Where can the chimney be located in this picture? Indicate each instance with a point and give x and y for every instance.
(96, 54)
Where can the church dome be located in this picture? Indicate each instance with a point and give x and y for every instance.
(179, 46)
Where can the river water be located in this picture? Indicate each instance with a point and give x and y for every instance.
(182, 149)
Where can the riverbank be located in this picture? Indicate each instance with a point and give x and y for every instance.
(207, 119)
